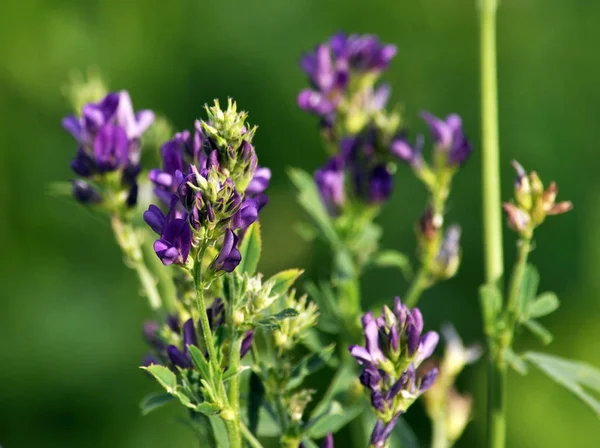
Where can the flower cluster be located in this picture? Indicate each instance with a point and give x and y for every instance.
(532, 203)
(395, 348)
(213, 187)
(108, 158)
(170, 343)
(451, 146)
(343, 72)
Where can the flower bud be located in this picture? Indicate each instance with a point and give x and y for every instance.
(518, 219)
(522, 187)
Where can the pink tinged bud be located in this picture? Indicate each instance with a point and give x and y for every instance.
(561, 207)
(518, 219)
(549, 196)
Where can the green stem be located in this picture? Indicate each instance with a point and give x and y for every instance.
(234, 382)
(132, 250)
(252, 441)
(492, 221)
(417, 287)
(234, 433)
(206, 332)
(524, 247)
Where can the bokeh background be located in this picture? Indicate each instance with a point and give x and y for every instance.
(70, 316)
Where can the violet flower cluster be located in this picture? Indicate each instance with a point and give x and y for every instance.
(343, 72)
(395, 348)
(213, 187)
(170, 343)
(108, 158)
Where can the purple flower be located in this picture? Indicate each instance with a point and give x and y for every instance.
(247, 343)
(260, 181)
(175, 241)
(108, 134)
(229, 257)
(331, 184)
(363, 53)
(382, 431)
(84, 192)
(449, 137)
(394, 348)
(411, 154)
(246, 215)
(381, 184)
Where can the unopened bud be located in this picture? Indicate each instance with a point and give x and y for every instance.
(549, 196)
(522, 187)
(447, 261)
(537, 187)
(518, 219)
(561, 207)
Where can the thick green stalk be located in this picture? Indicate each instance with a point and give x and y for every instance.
(132, 250)
(492, 221)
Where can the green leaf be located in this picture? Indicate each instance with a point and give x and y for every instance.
(231, 373)
(491, 305)
(333, 419)
(310, 200)
(309, 365)
(255, 401)
(516, 361)
(164, 376)
(404, 435)
(284, 280)
(545, 304)
(273, 320)
(219, 431)
(393, 259)
(309, 443)
(540, 331)
(527, 291)
(199, 361)
(572, 375)
(154, 401)
(340, 383)
(250, 249)
(207, 409)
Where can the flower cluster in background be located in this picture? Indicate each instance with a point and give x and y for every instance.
(108, 157)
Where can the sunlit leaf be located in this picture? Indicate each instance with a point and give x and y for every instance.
(570, 374)
(310, 199)
(164, 376)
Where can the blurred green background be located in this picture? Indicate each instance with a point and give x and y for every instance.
(70, 316)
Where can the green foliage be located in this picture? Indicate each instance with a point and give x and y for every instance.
(272, 321)
(284, 281)
(333, 419)
(309, 365)
(251, 249)
(515, 361)
(310, 199)
(154, 401)
(393, 259)
(527, 290)
(545, 304)
(538, 330)
(572, 375)
(490, 298)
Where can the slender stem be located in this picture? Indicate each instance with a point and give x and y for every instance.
(252, 441)
(524, 246)
(492, 219)
(234, 382)
(234, 433)
(417, 287)
(132, 250)
(206, 332)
